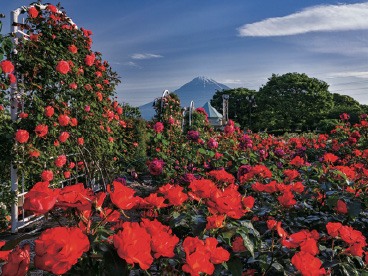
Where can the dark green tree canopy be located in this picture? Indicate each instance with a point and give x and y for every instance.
(238, 104)
(295, 100)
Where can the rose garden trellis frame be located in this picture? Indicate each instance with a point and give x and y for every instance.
(15, 96)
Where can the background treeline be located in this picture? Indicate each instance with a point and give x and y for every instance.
(289, 102)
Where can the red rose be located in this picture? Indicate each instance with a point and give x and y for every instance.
(111, 140)
(34, 38)
(332, 228)
(49, 111)
(40, 199)
(60, 161)
(33, 12)
(122, 196)
(67, 174)
(163, 242)
(73, 49)
(73, 86)
(12, 78)
(156, 167)
(64, 120)
(119, 110)
(133, 244)
(41, 130)
(158, 127)
(341, 207)
(18, 262)
(271, 224)
(63, 67)
(52, 8)
(80, 141)
(21, 136)
(306, 263)
(75, 196)
(64, 136)
(174, 194)
(90, 59)
(215, 221)
(34, 153)
(47, 175)
(238, 244)
(7, 66)
(57, 249)
(287, 200)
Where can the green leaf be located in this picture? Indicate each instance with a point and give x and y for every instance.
(248, 224)
(354, 208)
(198, 225)
(235, 266)
(7, 45)
(248, 243)
(278, 266)
(202, 151)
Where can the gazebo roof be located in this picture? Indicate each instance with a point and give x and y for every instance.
(211, 111)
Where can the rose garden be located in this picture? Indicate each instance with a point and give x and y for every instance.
(217, 202)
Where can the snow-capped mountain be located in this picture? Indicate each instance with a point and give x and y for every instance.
(200, 90)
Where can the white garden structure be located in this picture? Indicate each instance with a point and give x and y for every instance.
(15, 97)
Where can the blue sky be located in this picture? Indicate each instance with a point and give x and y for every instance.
(162, 44)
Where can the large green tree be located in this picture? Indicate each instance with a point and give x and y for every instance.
(295, 100)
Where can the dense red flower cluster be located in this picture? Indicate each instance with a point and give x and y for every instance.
(18, 262)
(40, 199)
(57, 249)
(202, 255)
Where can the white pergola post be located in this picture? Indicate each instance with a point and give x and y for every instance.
(14, 109)
(164, 94)
(191, 108)
(14, 94)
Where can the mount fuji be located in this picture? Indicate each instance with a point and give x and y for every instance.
(199, 90)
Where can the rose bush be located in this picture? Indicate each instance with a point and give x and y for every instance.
(222, 202)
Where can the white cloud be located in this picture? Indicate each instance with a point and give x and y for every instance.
(231, 81)
(145, 56)
(361, 75)
(318, 18)
(131, 63)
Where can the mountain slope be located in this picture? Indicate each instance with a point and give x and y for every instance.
(200, 90)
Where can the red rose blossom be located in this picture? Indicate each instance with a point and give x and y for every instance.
(41, 130)
(40, 199)
(47, 175)
(63, 67)
(63, 136)
(33, 12)
(58, 249)
(18, 262)
(7, 66)
(21, 136)
(49, 111)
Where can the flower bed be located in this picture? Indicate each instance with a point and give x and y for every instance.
(222, 202)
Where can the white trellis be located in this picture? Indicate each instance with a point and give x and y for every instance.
(164, 95)
(191, 108)
(15, 96)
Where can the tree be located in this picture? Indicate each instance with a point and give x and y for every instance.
(238, 104)
(295, 100)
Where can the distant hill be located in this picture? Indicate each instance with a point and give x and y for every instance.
(200, 90)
